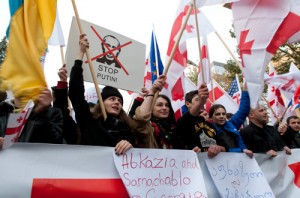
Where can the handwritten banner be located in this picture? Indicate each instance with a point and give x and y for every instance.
(161, 173)
(237, 175)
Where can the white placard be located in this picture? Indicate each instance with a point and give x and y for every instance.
(237, 175)
(161, 173)
(124, 70)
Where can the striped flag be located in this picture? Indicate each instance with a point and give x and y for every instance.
(235, 90)
(30, 29)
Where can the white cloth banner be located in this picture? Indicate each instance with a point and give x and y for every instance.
(43, 170)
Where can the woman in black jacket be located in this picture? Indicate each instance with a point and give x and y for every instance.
(116, 130)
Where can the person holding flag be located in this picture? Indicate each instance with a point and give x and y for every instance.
(155, 120)
(197, 133)
(228, 134)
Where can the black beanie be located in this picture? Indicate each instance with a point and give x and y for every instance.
(110, 91)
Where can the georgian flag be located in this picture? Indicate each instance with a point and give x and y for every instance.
(255, 23)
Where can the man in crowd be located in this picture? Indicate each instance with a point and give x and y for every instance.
(290, 135)
(197, 133)
(260, 137)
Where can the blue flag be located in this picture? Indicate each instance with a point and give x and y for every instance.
(156, 65)
(233, 87)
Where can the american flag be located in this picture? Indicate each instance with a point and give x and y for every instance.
(235, 91)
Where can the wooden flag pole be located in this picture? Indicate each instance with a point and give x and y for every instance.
(230, 52)
(174, 48)
(212, 87)
(199, 44)
(62, 55)
(90, 64)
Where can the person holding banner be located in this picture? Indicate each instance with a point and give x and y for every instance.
(197, 133)
(155, 125)
(116, 130)
(228, 134)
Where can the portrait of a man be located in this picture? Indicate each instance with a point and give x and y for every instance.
(108, 59)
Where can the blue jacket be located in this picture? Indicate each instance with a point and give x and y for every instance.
(236, 122)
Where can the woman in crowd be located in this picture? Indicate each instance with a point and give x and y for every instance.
(155, 120)
(228, 134)
(116, 130)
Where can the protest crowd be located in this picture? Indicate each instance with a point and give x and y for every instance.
(148, 126)
(151, 121)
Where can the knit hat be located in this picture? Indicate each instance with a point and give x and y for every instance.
(111, 91)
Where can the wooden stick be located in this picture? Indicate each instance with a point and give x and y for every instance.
(90, 64)
(231, 54)
(212, 86)
(199, 44)
(62, 55)
(271, 109)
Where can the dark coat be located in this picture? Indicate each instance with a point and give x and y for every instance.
(94, 132)
(70, 128)
(261, 140)
(45, 127)
(195, 131)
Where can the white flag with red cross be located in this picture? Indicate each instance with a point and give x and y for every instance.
(255, 23)
(15, 124)
(274, 97)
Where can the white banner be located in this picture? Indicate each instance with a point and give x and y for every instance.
(44, 170)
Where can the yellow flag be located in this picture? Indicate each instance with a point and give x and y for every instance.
(30, 28)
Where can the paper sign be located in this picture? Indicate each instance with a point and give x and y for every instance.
(237, 175)
(118, 61)
(161, 173)
(15, 124)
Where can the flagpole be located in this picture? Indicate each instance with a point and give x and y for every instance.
(62, 55)
(90, 64)
(199, 44)
(231, 54)
(212, 87)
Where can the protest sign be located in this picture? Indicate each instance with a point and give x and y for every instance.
(161, 173)
(118, 61)
(237, 175)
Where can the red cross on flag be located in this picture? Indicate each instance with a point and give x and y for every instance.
(255, 23)
(286, 83)
(274, 97)
(15, 124)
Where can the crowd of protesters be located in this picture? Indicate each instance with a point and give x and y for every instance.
(151, 121)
